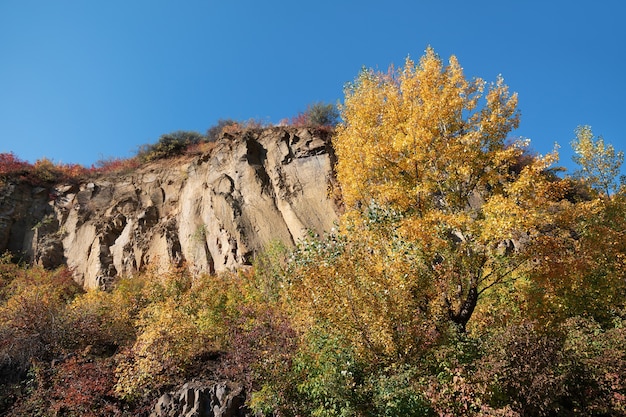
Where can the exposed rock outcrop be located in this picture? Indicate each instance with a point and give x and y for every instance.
(196, 399)
(210, 212)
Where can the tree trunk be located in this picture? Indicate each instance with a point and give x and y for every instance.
(462, 316)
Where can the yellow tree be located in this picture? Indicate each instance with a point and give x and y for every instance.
(599, 163)
(431, 146)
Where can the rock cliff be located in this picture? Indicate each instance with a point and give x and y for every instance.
(210, 212)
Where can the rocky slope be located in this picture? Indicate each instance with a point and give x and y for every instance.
(210, 212)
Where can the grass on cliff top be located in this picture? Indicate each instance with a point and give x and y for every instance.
(179, 143)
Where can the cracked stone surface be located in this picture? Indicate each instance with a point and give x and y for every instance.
(209, 212)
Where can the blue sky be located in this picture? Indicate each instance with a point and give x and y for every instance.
(84, 80)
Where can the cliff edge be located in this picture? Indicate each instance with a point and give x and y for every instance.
(209, 212)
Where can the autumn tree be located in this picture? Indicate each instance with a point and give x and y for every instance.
(599, 162)
(583, 261)
(431, 146)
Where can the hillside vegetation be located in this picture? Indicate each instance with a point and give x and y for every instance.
(465, 278)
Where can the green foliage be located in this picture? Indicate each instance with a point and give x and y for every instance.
(324, 380)
(169, 144)
(330, 376)
(317, 115)
(321, 114)
(396, 391)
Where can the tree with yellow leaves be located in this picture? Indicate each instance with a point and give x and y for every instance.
(599, 163)
(431, 146)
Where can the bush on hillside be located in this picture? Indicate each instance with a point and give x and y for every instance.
(317, 115)
(169, 144)
(214, 132)
(42, 172)
(118, 165)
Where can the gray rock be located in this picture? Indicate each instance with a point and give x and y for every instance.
(210, 212)
(195, 399)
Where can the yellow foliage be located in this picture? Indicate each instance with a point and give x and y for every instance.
(169, 339)
(581, 265)
(599, 162)
(427, 143)
(365, 289)
(180, 319)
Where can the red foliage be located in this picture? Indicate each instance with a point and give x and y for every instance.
(41, 172)
(84, 387)
(300, 120)
(44, 171)
(71, 172)
(262, 344)
(11, 165)
(114, 165)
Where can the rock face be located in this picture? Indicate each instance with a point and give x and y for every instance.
(201, 400)
(210, 212)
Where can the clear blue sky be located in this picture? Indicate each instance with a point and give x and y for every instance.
(83, 80)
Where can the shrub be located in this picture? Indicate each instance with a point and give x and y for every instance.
(522, 364)
(168, 145)
(214, 132)
(324, 379)
(575, 369)
(184, 320)
(100, 322)
(396, 391)
(261, 345)
(447, 376)
(321, 114)
(42, 172)
(33, 318)
(595, 360)
(168, 341)
(317, 115)
(12, 166)
(76, 387)
(115, 165)
(33, 324)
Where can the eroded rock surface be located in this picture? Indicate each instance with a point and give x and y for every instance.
(210, 212)
(196, 399)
